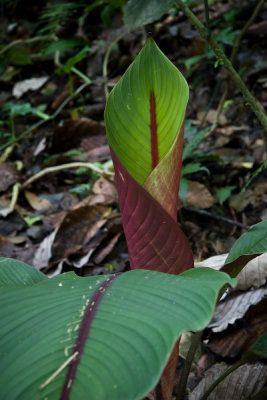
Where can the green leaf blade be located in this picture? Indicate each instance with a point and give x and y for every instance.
(128, 116)
(136, 324)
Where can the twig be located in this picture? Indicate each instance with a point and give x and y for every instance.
(60, 168)
(196, 339)
(55, 374)
(18, 186)
(218, 217)
(8, 151)
(221, 378)
(235, 48)
(244, 30)
(106, 60)
(20, 41)
(224, 61)
(207, 16)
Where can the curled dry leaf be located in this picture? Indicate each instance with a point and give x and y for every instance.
(253, 275)
(244, 382)
(234, 307)
(239, 337)
(22, 87)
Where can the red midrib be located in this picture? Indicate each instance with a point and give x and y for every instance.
(83, 335)
(153, 129)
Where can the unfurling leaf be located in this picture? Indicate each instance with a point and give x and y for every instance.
(144, 121)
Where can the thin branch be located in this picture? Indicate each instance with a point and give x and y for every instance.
(18, 186)
(218, 217)
(235, 48)
(106, 60)
(60, 168)
(196, 340)
(224, 61)
(20, 41)
(207, 16)
(221, 378)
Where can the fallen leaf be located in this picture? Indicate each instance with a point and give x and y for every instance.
(239, 337)
(241, 200)
(22, 87)
(211, 116)
(44, 251)
(198, 195)
(107, 188)
(36, 202)
(245, 381)
(79, 226)
(8, 176)
(254, 274)
(234, 307)
(73, 131)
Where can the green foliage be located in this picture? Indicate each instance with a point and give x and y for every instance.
(31, 221)
(127, 113)
(62, 45)
(83, 189)
(139, 12)
(135, 325)
(58, 14)
(19, 56)
(251, 242)
(224, 193)
(195, 137)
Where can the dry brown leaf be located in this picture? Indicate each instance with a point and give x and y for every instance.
(234, 307)
(105, 187)
(22, 87)
(79, 226)
(244, 382)
(241, 200)
(44, 251)
(73, 131)
(211, 117)
(107, 249)
(8, 176)
(36, 202)
(239, 337)
(254, 274)
(198, 195)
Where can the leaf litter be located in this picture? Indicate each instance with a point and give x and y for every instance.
(58, 229)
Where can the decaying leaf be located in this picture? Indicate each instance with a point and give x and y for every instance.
(253, 275)
(36, 202)
(244, 382)
(234, 307)
(198, 195)
(238, 338)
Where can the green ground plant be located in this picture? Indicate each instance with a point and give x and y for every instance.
(113, 336)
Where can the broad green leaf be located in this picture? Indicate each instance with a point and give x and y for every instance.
(250, 245)
(123, 328)
(16, 273)
(252, 242)
(138, 12)
(145, 112)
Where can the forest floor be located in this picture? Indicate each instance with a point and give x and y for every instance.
(58, 200)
